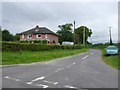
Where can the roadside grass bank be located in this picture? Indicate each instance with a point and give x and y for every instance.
(112, 60)
(22, 57)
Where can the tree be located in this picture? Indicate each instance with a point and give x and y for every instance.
(6, 36)
(79, 34)
(17, 37)
(0, 34)
(65, 33)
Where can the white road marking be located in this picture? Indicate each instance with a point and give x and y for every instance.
(29, 83)
(66, 79)
(39, 78)
(85, 57)
(11, 78)
(74, 63)
(69, 66)
(59, 69)
(69, 86)
(51, 82)
(41, 85)
(91, 53)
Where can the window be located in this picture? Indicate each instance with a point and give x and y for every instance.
(37, 30)
(29, 36)
(45, 35)
(38, 36)
(23, 36)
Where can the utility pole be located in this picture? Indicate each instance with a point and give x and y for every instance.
(84, 36)
(74, 33)
(110, 35)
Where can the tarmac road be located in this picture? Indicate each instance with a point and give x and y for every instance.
(86, 70)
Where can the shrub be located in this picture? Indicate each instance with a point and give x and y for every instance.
(44, 41)
(35, 46)
(34, 41)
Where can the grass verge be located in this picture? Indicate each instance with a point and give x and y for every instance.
(39, 56)
(111, 60)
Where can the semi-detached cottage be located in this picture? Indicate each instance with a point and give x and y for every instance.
(40, 33)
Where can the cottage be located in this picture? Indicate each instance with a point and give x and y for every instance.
(40, 33)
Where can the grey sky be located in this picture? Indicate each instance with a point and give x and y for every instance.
(98, 16)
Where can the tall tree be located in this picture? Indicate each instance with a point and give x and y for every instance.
(80, 32)
(0, 34)
(17, 37)
(65, 33)
(6, 36)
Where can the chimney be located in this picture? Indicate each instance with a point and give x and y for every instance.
(37, 26)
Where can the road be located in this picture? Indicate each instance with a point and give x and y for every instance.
(86, 70)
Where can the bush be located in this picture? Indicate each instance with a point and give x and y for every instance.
(35, 47)
(44, 41)
(35, 41)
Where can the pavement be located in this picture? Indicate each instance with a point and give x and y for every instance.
(86, 70)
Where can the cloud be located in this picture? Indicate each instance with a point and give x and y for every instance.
(98, 16)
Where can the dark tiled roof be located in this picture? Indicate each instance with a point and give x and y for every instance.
(39, 30)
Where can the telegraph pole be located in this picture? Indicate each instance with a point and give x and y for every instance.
(74, 32)
(84, 36)
(110, 35)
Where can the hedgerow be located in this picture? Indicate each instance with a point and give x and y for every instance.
(35, 47)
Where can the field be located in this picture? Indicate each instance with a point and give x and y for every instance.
(36, 56)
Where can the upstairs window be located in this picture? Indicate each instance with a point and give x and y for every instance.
(37, 30)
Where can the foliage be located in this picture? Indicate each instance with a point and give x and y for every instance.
(65, 33)
(110, 60)
(7, 36)
(16, 37)
(44, 41)
(79, 34)
(34, 41)
(35, 47)
(39, 56)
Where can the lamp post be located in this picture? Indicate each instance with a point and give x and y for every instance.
(110, 35)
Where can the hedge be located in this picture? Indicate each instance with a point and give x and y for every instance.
(35, 47)
(35, 41)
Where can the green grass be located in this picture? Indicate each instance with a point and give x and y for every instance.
(111, 60)
(29, 57)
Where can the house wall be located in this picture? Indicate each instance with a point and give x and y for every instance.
(53, 38)
(50, 38)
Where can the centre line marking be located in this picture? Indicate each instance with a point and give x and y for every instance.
(70, 87)
(11, 78)
(74, 63)
(39, 78)
(60, 69)
(70, 66)
(51, 82)
(91, 53)
(85, 57)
